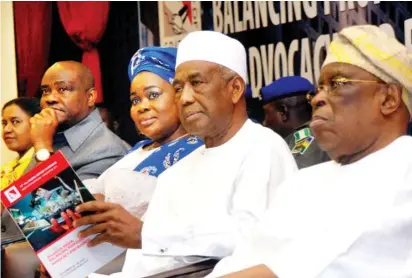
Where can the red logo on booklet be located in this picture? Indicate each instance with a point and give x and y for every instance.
(12, 194)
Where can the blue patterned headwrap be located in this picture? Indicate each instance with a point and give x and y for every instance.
(158, 60)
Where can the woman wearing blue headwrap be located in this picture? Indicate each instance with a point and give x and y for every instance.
(153, 110)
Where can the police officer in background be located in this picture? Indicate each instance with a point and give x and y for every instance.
(288, 113)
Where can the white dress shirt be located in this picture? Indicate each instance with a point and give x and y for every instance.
(336, 221)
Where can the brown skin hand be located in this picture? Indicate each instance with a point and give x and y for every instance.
(111, 222)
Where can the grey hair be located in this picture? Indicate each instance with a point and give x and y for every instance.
(226, 73)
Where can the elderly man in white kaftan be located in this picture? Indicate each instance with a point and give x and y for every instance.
(204, 205)
(351, 217)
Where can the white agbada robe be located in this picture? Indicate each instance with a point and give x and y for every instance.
(335, 221)
(207, 202)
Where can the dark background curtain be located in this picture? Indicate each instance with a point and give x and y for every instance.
(117, 45)
(85, 23)
(149, 10)
(32, 22)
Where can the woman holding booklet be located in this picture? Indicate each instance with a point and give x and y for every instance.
(131, 181)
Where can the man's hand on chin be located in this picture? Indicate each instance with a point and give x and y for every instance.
(43, 126)
(112, 223)
(259, 271)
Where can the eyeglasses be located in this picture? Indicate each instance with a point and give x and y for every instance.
(337, 83)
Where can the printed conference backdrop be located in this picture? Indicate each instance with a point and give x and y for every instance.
(282, 38)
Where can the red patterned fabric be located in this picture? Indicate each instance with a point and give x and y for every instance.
(85, 23)
(32, 22)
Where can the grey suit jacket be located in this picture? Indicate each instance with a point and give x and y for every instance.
(89, 146)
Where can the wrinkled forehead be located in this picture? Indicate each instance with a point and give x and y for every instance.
(349, 71)
(191, 69)
(60, 73)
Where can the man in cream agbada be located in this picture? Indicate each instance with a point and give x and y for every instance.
(350, 217)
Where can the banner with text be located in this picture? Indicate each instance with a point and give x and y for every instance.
(284, 38)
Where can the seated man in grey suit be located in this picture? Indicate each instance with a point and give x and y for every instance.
(70, 123)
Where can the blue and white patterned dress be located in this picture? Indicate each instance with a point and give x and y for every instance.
(132, 180)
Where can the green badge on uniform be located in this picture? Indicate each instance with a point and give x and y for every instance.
(303, 139)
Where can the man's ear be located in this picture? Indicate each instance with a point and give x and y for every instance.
(284, 112)
(91, 97)
(238, 89)
(392, 99)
